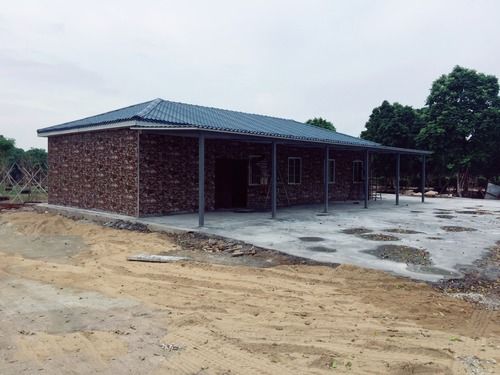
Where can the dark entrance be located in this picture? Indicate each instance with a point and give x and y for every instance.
(231, 183)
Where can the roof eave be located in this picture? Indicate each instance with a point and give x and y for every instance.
(46, 132)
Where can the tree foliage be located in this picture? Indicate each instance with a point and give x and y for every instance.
(460, 123)
(321, 123)
(393, 125)
(9, 153)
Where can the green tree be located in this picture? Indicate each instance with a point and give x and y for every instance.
(393, 125)
(7, 145)
(36, 156)
(321, 123)
(462, 124)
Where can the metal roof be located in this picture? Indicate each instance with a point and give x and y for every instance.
(164, 114)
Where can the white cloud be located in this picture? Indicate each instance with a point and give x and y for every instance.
(62, 60)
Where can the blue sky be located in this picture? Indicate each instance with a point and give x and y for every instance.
(63, 60)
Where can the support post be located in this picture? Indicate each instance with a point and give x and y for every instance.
(273, 181)
(201, 179)
(398, 178)
(327, 177)
(423, 178)
(367, 159)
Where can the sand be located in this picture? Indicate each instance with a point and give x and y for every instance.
(88, 310)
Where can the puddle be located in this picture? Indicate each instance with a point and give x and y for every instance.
(402, 231)
(416, 212)
(357, 231)
(474, 212)
(445, 216)
(322, 249)
(311, 239)
(458, 229)
(379, 237)
(402, 254)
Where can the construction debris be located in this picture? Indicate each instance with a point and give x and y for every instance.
(155, 258)
(127, 225)
(402, 254)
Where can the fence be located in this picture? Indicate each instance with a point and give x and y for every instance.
(22, 182)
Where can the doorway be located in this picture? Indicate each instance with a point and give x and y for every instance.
(231, 178)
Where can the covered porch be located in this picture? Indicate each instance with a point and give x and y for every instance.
(271, 150)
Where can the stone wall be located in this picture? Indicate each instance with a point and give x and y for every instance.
(95, 170)
(99, 170)
(169, 174)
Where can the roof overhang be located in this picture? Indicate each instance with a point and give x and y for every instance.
(193, 131)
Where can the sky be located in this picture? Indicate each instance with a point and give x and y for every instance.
(64, 60)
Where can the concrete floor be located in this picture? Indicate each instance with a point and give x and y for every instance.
(448, 250)
(447, 253)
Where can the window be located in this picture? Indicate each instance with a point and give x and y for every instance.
(331, 171)
(294, 171)
(357, 171)
(257, 170)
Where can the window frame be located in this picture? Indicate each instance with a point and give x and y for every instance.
(331, 176)
(362, 178)
(294, 158)
(250, 183)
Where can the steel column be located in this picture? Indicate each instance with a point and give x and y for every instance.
(367, 155)
(273, 181)
(398, 178)
(201, 179)
(327, 175)
(423, 178)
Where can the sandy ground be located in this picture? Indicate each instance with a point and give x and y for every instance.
(70, 303)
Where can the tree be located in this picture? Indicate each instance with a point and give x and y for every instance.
(397, 126)
(393, 125)
(321, 123)
(7, 145)
(36, 157)
(462, 124)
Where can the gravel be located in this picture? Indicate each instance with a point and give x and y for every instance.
(402, 254)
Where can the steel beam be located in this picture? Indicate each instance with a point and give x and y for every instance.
(327, 175)
(273, 181)
(201, 179)
(398, 178)
(367, 159)
(423, 178)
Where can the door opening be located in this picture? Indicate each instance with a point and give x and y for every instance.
(231, 179)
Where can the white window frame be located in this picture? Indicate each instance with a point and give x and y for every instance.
(262, 177)
(300, 170)
(331, 174)
(361, 163)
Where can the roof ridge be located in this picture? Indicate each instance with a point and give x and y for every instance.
(146, 110)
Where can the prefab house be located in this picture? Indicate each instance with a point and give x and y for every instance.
(162, 157)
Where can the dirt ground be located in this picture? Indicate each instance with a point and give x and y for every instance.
(70, 303)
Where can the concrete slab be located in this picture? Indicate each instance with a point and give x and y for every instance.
(305, 231)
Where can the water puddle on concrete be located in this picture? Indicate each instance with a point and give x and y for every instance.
(474, 212)
(445, 216)
(311, 239)
(452, 228)
(357, 230)
(379, 237)
(322, 249)
(402, 231)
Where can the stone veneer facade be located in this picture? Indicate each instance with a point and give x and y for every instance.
(136, 174)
